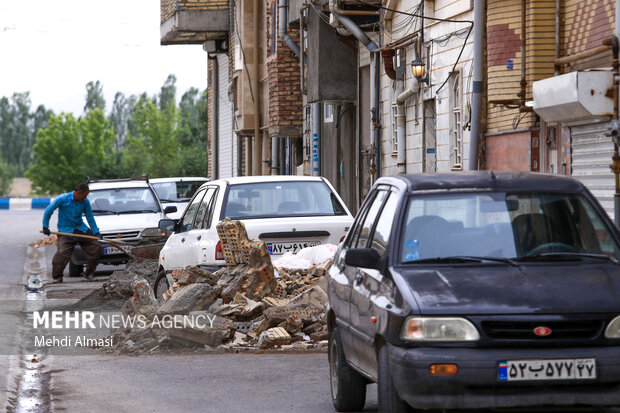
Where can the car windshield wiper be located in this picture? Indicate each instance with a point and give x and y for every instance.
(103, 211)
(566, 256)
(137, 211)
(167, 200)
(461, 259)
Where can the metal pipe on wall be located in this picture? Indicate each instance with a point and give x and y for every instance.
(477, 82)
(215, 77)
(258, 138)
(401, 121)
(275, 156)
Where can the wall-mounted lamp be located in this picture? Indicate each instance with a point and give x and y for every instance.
(417, 68)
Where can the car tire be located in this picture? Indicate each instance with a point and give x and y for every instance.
(75, 270)
(161, 285)
(389, 400)
(348, 387)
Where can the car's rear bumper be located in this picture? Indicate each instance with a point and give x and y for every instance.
(476, 384)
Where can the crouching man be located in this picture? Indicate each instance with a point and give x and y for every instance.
(71, 207)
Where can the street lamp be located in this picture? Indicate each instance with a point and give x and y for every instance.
(417, 68)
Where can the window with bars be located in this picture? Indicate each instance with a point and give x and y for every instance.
(394, 128)
(456, 121)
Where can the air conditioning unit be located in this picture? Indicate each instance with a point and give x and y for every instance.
(574, 96)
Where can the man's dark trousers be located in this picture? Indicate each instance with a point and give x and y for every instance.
(64, 250)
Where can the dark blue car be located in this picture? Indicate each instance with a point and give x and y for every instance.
(476, 290)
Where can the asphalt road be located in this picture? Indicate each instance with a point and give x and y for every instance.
(205, 382)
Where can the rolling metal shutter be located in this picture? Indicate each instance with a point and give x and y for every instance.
(227, 145)
(590, 159)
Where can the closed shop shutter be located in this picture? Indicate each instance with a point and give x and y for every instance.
(590, 159)
(227, 145)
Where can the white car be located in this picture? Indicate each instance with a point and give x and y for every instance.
(287, 212)
(122, 209)
(176, 192)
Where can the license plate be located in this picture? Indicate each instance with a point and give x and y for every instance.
(279, 248)
(110, 250)
(553, 369)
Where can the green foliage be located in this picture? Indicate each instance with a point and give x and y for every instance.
(18, 128)
(7, 173)
(94, 97)
(141, 135)
(69, 150)
(154, 149)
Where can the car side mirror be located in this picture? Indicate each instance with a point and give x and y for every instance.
(362, 257)
(167, 224)
(170, 210)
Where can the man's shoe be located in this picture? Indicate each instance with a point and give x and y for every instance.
(57, 280)
(89, 275)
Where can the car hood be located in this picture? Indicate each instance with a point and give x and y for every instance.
(127, 222)
(528, 289)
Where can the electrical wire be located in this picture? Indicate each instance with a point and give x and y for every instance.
(457, 59)
(471, 23)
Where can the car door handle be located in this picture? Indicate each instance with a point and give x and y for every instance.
(358, 279)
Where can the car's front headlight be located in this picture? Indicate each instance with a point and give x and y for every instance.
(613, 329)
(438, 329)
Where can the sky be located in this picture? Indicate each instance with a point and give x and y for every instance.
(54, 48)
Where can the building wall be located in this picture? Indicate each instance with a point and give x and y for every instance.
(505, 152)
(442, 42)
(210, 115)
(585, 25)
(285, 110)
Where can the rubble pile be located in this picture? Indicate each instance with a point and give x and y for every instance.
(251, 304)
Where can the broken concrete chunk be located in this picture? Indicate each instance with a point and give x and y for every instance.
(276, 336)
(241, 306)
(315, 296)
(275, 302)
(276, 315)
(192, 275)
(192, 297)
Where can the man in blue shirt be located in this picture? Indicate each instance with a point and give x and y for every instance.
(71, 206)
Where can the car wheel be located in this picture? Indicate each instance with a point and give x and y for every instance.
(389, 401)
(161, 285)
(75, 270)
(347, 385)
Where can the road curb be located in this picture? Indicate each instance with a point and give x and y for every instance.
(24, 204)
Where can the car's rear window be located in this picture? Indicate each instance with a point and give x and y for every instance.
(176, 191)
(503, 225)
(123, 201)
(281, 199)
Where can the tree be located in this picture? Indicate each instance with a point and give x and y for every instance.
(119, 118)
(94, 97)
(193, 133)
(57, 167)
(154, 149)
(69, 150)
(167, 95)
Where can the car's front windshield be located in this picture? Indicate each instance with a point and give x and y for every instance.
(281, 199)
(180, 191)
(123, 201)
(457, 227)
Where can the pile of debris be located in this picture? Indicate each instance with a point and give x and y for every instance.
(50, 241)
(247, 305)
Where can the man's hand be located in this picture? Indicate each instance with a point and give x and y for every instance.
(46, 231)
(98, 235)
